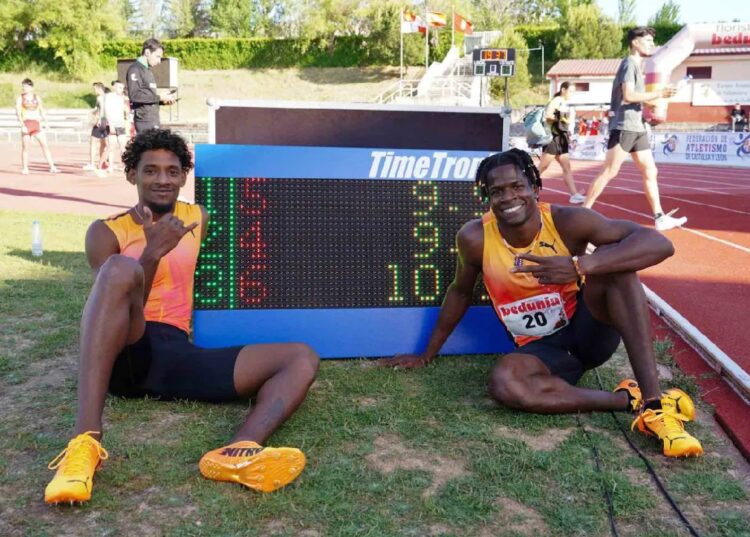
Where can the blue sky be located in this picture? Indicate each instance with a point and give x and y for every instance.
(690, 10)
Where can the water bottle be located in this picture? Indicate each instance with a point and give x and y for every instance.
(684, 81)
(36, 238)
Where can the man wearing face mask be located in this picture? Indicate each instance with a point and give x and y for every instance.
(144, 99)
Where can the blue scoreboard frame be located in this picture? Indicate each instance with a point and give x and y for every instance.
(247, 290)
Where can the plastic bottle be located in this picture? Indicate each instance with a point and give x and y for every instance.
(36, 238)
(684, 81)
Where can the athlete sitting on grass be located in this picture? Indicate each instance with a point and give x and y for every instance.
(134, 334)
(566, 309)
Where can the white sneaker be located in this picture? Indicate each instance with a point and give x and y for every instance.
(577, 199)
(666, 222)
(24, 171)
(89, 167)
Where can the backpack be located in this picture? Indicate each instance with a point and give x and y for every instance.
(535, 128)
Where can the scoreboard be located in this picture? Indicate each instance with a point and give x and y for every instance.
(494, 62)
(348, 249)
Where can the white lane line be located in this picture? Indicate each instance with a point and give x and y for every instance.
(651, 219)
(709, 351)
(686, 201)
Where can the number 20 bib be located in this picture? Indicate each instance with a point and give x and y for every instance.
(536, 316)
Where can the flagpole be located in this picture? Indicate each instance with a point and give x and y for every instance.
(453, 26)
(426, 39)
(401, 54)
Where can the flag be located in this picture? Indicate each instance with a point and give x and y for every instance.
(462, 25)
(411, 23)
(435, 19)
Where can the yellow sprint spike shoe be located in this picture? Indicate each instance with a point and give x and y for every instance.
(75, 467)
(635, 400)
(668, 424)
(264, 469)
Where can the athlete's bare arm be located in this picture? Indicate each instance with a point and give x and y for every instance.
(632, 247)
(470, 244)
(101, 243)
(629, 95)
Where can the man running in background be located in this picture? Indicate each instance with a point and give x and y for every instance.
(134, 335)
(144, 100)
(30, 114)
(532, 256)
(628, 132)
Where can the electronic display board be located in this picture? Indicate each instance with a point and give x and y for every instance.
(348, 249)
(494, 61)
(334, 224)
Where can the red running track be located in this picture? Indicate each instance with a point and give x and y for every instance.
(708, 278)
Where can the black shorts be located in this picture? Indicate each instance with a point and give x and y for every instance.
(582, 345)
(631, 142)
(100, 131)
(558, 146)
(166, 365)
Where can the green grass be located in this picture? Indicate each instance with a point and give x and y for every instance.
(378, 441)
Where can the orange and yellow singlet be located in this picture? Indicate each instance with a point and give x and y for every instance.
(528, 309)
(171, 298)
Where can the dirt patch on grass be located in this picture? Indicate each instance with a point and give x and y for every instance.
(515, 517)
(390, 454)
(366, 402)
(547, 441)
(287, 527)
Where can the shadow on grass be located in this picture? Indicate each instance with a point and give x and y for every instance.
(70, 261)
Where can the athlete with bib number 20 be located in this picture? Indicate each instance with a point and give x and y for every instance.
(566, 310)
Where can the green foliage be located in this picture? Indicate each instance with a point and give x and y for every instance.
(664, 32)
(595, 34)
(668, 13)
(626, 12)
(72, 31)
(521, 81)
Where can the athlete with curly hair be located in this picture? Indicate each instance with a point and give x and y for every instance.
(134, 334)
(566, 309)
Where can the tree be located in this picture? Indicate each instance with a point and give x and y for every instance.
(668, 14)
(231, 18)
(74, 31)
(626, 12)
(595, 35)
(522, 80)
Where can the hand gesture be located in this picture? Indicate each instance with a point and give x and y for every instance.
(555, 269)
(164, 235)
(669, 91)
(404, 361)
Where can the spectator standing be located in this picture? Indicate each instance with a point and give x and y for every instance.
(144, 99)
(99, 132)
(116, 111)
(738, 119)
(30, 114)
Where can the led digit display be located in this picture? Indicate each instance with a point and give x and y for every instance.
(330, 243)
(494, 54)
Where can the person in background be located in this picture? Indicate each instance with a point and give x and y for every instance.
(116, 111)
(99, 133)
(33, 120)
(556, 114)
(144, 99)
(738, 119)
(628, 132)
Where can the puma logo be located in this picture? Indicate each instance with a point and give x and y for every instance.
(548, 245)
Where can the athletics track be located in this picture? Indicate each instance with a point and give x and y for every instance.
(707, 280)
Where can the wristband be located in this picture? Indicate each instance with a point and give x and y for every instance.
(577, 266)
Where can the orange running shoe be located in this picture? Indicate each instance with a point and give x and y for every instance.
(264, 469)
(635, 401)
(668, 424)
(75, 466)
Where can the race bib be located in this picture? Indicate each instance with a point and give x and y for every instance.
(538, 316)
